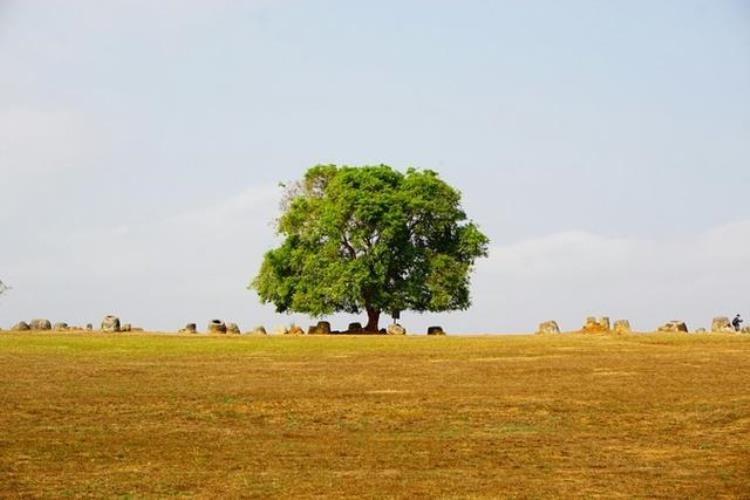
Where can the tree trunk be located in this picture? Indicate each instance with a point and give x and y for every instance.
(373, 318)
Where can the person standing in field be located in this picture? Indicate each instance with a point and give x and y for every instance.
(737, 322)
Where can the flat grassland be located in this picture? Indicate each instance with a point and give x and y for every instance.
(570, 415)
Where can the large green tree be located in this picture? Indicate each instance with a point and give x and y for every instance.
(370, 238)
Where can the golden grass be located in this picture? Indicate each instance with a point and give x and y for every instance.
(571, 415)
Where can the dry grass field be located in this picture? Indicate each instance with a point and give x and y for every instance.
(569, 415)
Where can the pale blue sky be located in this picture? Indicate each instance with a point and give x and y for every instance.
(603, 146)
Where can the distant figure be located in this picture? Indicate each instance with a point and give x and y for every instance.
(736, 323)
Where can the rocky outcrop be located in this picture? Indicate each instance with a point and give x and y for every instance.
(721, 324)
(622, 326)
(674, 326)
(40, 324)
(233, 328)
(258, 330)
(21, 326)
(217, 326)
(110, 324)
(548, 327)
(435, 330)
(60, 327)
(395, 329)
(355, 328)
(127, 327)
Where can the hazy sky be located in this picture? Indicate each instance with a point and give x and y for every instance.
(603, 146)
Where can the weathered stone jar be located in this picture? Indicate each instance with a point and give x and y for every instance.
(548, 327)
(217, 326)
(110, 323)
(40, 324)
(395, 329)
(435, 330)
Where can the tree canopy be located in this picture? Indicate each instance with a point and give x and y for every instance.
(370, 238)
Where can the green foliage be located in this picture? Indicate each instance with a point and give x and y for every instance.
(370, 238)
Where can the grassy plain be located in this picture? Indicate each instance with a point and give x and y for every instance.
(574, 416)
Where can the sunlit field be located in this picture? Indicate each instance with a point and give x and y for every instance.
(527, 416)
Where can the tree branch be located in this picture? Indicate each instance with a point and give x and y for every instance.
(348, 246)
